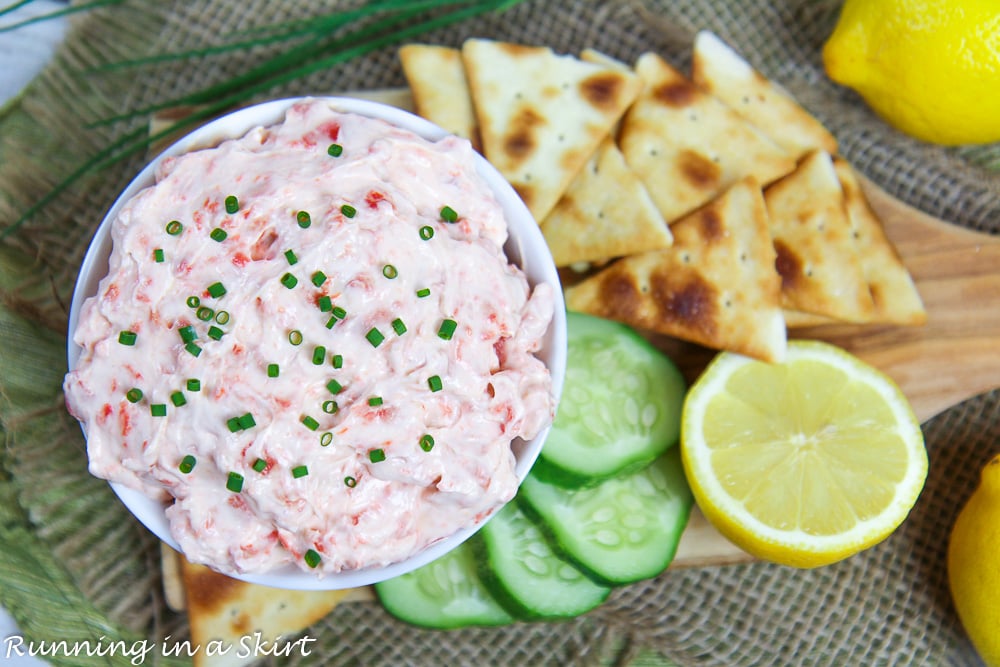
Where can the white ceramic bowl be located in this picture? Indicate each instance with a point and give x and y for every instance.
(525, 247)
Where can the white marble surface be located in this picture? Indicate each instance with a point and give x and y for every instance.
(23, 53)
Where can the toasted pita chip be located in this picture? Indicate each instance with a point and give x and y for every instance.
(173, 584)
(716, 285)
(603, 59)
(605, 213)
(440, 91)
(796, 319)
(233, 611)
(719, 70)
(820, 269)
(541, 115)
(688, 147)
(896, 298)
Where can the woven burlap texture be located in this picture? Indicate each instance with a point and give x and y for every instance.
(889, 605)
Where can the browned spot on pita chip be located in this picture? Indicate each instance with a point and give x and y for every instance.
(698, 170)
(603, 90)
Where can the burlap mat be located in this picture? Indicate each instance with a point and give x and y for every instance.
(889, 605)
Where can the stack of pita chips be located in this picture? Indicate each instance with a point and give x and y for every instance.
(715, 205)
(238, 617)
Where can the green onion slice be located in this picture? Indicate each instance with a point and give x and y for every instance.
(290, 256)
(330, 407)
(448, 214)
(334, 387)
(216, 290)
(187, 464)
(434, 382)
(193, 349)
(375, 401)
(300, 471)
(232, 204)
(188, 333)
(325, 304)
(177, 398)
(194, 384)
(174, 227)
(234, 482)
(127, 337)
(312, 558)
(427, 232)
(222, 317)
(246, 421)
(374, 337)
(304, 219)
(399, 326)
(158, 409)
(376, 455)
(326, 439)
(335, 150)
(204, 313)
(350, 482)
(158, 255)
(337, 361)
(424, 291)
(319, 355)
(260, 465)
(318, 278)
(427, 442)
(295, 337)
(348, 211)
(134, 395)
(193, 301)
(309, 422)
(273, 371)
(218, 234)
(215, 333)
(289, 281)
(447, 329)
(389, 271)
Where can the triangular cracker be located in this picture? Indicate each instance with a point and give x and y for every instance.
(816, 256)
(687, 146)
(440, 91)
(896, 298)
(541, 115)
(603, 59)
(719, 70)
(606, 213)
(231, 611)
(715, 286)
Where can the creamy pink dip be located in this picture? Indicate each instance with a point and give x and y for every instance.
(328, 465)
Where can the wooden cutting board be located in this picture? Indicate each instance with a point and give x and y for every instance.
(955, 356)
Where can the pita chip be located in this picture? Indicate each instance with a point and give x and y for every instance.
(603, 59)
(893, 292)
(606, 213)
(715, 286)
(820, 270)
(720, 71)
(233, 611)
(687, 146)
(436, 77)
(542, 115)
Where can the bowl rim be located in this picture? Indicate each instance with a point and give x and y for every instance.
(525, 243)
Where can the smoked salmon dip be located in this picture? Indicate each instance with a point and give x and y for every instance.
(311, 346)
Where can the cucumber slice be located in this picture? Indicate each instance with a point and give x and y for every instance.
(446, 593)
(518, 565)
(624, 529)
(620, 407)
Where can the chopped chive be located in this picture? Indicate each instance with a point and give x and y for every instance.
(222, 317)
(427, 442)
(273, 371)
(389, 271)
(246, 421)
(218, 234)
(193, 349)
(399, 326)
(177, 398)
(337, 361)
(309, 422)
(334, 387)
(158, 409)
(187, 333)
(434, 382)
(174, 227)
(232, 204)
(326, 439)
(194, 384)
(348, 211)
(193, 301)
(331, 322)
(134, 395)
(290, 256)
(318, 278)
(233, 423)
(350, 482)
(260, 465)
(427, 232)
(448, 214)
(234, 482)
(304, 219)
(335, 150)
(127, 337)
(289, 281)
(375, 401)
(339, 312)
(319, 355)
(312, 558)
(158, 255)
(376, 455)
(421, 293)
(325, 304)
(374, 337)
(447, 329)
(187, 464)
(300, 471)
(215, 333)
(204, 313)
(330, 407)
(216, 290)
(295, 337)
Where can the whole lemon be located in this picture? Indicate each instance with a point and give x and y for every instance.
(930, 68)
(974, 565)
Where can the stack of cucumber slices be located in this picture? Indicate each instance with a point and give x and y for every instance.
(604, 506)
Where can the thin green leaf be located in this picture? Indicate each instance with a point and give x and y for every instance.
(15, 6)
(71, 9)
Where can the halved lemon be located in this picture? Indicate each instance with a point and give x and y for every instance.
(805, 462)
